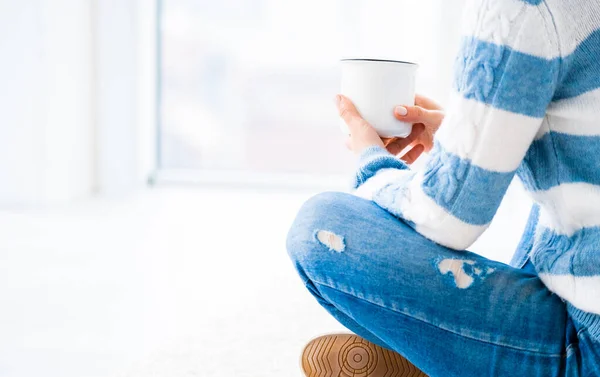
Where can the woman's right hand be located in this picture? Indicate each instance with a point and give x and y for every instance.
(426, 116)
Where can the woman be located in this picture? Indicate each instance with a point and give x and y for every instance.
(390, 263)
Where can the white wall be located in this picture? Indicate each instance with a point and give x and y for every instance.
(76, 99)
(125, 52)
(46, 125)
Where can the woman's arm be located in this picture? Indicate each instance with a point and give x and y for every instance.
(506, 75)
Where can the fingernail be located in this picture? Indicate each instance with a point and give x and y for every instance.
(338, 99)
(401, 110)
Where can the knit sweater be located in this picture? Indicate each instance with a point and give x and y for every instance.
(526, 102)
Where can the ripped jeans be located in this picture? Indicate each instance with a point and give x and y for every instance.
(451, 313)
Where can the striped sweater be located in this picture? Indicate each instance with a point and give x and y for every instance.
(526, 102)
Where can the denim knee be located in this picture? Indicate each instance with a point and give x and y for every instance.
(320, 212)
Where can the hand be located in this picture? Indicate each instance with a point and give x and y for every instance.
(362, 134)
(426, 116)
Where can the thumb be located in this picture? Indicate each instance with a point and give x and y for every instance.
(350, 114)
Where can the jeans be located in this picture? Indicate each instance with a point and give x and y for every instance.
(451, 313)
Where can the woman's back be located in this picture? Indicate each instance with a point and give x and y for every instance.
(561, 169)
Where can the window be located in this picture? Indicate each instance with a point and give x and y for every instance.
(248, 85)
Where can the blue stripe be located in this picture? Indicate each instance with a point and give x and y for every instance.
(581, 69)
(504, 78)
(469, 192)
(522, 83)
(374, 159)
(561, 158)
(577, 255)
(533, 2)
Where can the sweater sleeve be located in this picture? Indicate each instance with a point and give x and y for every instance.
(505, 77)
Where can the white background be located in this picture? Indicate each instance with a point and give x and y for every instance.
(101, 275)
(247, 85)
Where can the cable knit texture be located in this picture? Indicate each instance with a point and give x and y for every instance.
(526, 102)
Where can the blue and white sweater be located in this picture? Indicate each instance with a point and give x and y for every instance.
(526, 101)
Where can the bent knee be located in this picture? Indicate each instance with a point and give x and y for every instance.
(319, 221)
(325, 206)
(315, 233)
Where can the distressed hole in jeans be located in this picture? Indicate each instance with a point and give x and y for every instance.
(464, 271)
(331, 240)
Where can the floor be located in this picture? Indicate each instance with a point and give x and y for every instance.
(170, 282)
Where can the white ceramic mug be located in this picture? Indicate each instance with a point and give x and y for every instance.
(376, 87)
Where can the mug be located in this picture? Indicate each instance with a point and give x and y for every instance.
(376, 87)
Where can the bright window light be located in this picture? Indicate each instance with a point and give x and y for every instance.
(248, 85)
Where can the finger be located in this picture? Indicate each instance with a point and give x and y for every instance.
(399, 144)
(417, 130)
(395, 148)
(412, 155)
(418, 114)
(391, 144)
(427, 103)
(349, 113)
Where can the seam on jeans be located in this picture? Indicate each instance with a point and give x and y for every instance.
(581, 331)
(552, 355)
(572, 347)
